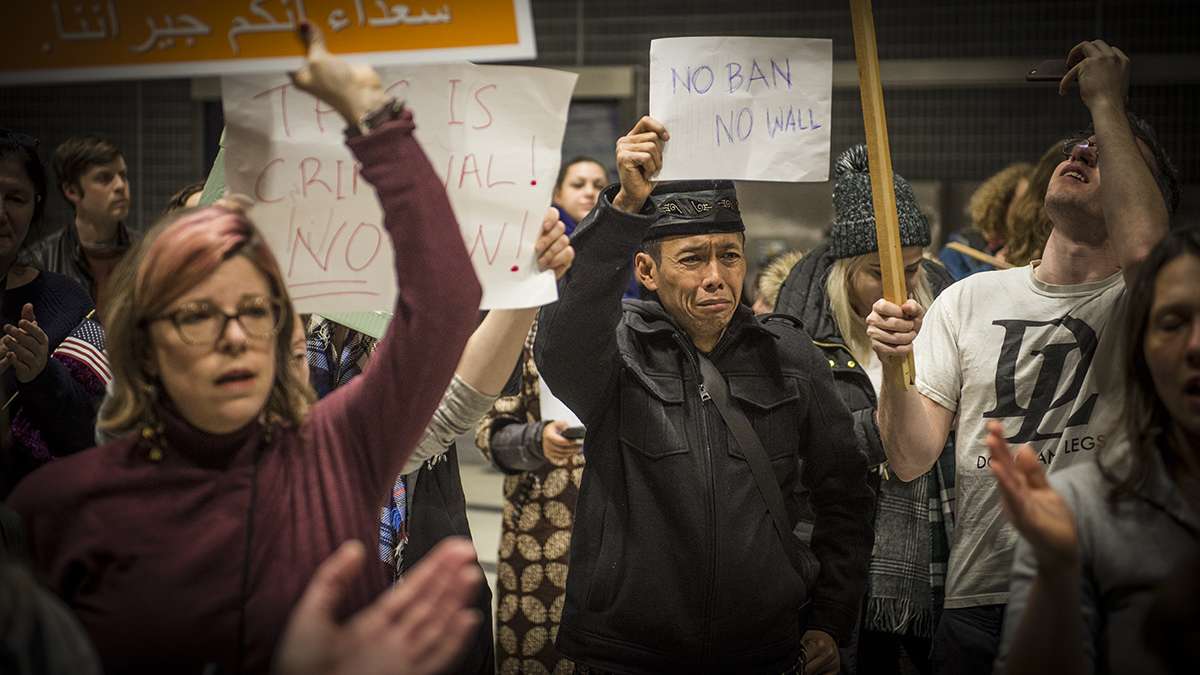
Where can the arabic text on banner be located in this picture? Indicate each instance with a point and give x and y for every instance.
(67, 40)
(743, 108)
(492, 133)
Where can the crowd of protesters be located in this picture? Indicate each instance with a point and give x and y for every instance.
(198, 479)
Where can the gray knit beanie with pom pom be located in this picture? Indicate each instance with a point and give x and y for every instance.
(853, 231)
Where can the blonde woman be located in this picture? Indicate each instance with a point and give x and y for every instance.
(990, 209)
(831, 291)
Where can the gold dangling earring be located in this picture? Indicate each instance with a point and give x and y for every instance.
(264, 421)
(152, 430)
(151, 434)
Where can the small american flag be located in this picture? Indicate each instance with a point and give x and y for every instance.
(85, 346)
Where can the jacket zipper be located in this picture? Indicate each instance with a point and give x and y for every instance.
(711, 500)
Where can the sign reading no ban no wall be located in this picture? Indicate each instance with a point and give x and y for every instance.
(743, 108)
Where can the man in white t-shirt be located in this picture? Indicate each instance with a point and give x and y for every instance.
(1031, 347)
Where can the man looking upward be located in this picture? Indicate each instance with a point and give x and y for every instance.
(1032, 348)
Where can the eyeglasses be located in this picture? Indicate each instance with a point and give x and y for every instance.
(201, 323)
(1068, 147)
(22, 139)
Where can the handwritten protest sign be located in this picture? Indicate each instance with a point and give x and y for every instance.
(109, 39)
(493, 134)
(743, 108)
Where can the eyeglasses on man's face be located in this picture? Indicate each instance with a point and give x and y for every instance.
(203, 323)
(1087, 144)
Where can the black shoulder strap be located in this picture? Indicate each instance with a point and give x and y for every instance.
(756, 456)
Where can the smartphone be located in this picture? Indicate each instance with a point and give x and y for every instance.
(1052, 70)
(574, 433)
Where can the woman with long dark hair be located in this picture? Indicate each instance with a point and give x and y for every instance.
(576, 188)
(1099, 538)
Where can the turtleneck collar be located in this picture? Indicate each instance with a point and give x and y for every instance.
(184, 443)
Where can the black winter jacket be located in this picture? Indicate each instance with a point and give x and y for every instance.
(675, 564)
(62, 253)
(803, 296)
(439, 511)
(58, 404)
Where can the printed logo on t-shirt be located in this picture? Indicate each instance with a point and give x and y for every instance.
(1044, 398)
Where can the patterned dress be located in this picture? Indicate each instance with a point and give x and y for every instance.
(539, 505)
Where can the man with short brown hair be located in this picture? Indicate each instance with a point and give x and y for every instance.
(93, 178)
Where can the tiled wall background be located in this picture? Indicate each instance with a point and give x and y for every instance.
(616, 31)
(154, 122)
(946, 138)
(949, 134)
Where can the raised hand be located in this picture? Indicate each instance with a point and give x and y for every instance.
(1102, 72)
(416, 628)
(352, 89)
(553, 248)
(639, 158)
(1039, 513)
(26, 346)
(893, 328)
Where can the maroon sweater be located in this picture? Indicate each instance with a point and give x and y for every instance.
(152, 555)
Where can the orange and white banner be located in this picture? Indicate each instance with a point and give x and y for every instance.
(79, 40)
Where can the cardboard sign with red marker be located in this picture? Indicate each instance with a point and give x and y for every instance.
(493, 134)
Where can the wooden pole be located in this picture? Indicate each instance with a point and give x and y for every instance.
(883, 191)
(979, 255)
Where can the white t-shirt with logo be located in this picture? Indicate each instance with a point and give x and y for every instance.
(1043, 360)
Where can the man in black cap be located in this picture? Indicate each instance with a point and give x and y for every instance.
(683, 556)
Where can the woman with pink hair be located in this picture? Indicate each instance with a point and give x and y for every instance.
(184, 546)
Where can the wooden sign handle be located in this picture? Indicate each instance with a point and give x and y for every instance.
(979, 255)
(883, 191)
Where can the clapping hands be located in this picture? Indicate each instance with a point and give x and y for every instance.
(418, 627)
(24, 347)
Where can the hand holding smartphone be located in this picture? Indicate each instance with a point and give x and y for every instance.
(1052, 70)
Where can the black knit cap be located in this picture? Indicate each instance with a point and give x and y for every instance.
(853, 231)
(686, 207)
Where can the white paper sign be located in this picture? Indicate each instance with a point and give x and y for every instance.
(743, 108)
(492, 133)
